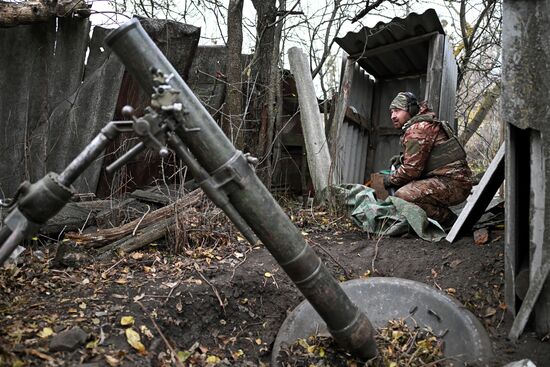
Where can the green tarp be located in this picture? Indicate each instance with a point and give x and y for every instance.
(391, 217)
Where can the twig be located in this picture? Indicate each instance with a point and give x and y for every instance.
(168, 345)
(171, 291)
(137, 225)
(211, 286)
(85, 222)
(112, 267)
(348, 275)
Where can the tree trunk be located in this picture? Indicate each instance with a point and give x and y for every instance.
(272, 93)
(233, 120)
(261, 69)
(489, 99)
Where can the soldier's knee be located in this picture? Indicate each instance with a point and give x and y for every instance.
(404, 194)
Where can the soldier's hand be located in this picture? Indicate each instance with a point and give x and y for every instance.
(396, 160)
(387, 184)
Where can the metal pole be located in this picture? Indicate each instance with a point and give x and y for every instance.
(349, 326)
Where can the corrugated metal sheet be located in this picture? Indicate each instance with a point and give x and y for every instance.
(373, 46)
(354, 139)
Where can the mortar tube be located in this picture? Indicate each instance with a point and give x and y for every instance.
(212, 149)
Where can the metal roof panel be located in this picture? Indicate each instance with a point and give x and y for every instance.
(397, 48)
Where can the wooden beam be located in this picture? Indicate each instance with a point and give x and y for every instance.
(12, 14)
(481, 196)
(318, 156)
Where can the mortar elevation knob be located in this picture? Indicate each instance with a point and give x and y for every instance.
(127, 111)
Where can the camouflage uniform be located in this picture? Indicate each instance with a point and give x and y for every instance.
(434, 189)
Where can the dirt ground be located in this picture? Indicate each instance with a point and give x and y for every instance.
(222, 302)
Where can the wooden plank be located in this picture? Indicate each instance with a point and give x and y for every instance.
(337, 121)
(318, 156)
(447, 100)
(530, 301)
(435, 71)
(481, 196)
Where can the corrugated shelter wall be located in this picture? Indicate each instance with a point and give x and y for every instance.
(354, 138)
(47, 110)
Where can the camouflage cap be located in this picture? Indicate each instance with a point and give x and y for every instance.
(400, 102)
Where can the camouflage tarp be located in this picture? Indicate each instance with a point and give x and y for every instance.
(391, 217)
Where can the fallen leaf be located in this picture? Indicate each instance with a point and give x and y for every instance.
(112, 361)
(92, 344)
(39, 354)
(213, 359)
(455, 263)
(47, 331)
(137, 255)
(490, 311)
(127, 320)
(134, 340)
(121, 281)
(203, 349)
(145, 331)
(258, 341)
(82, 306)
(237, 354)
(183, 355)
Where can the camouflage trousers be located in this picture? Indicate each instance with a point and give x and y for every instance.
(435, 195)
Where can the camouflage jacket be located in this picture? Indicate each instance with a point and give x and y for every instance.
(421, 134)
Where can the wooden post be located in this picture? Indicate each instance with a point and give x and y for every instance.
(335, 147)
(318, 156)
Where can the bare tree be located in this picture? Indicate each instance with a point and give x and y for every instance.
(477, 48)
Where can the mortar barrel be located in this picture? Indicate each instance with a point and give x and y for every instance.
(212, 149)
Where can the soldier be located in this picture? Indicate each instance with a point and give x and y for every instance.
(432, 171)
